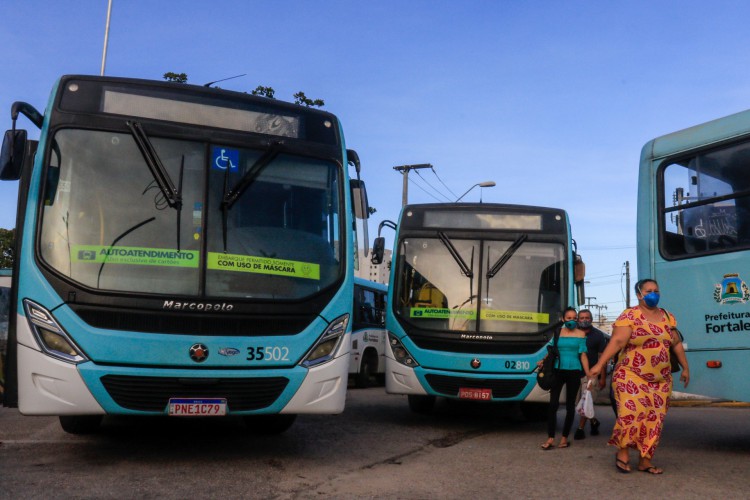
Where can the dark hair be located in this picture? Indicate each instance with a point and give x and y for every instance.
(642, 282)
(569, 309)
(585, 311)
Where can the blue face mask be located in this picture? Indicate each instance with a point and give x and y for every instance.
(651, 299)
(571, 324)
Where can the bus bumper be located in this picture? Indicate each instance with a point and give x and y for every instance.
(47, 386)
(400, 379)
(321, 391)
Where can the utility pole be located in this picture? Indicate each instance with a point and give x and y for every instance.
(588, 306)
(627, 284)
(404, 169)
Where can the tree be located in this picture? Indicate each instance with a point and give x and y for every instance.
(264, 91)
(176, 77)
(299, 98)
(7, 241)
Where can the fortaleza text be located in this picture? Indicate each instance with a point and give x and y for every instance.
(734, 322)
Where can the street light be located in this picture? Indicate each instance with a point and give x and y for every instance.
(485, 184)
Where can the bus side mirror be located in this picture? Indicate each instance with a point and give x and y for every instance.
(579, 275)
(17, 155)
(361, 207)
(378, 250)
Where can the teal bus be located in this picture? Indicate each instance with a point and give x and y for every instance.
(476, 292)
(181, 251)
(694, 239)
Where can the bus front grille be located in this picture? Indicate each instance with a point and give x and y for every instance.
(153, 393)
(501, 388)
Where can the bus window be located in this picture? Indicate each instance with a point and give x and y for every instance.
(706, 203)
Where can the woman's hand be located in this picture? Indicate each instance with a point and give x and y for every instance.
(595, 370)
(685, 376)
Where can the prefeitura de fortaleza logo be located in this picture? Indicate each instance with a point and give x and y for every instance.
(732, 289)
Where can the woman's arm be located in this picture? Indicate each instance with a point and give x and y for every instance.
(585, 363)
(620, 337)
(679, 351)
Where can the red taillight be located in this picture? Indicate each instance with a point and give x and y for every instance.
(713, 364)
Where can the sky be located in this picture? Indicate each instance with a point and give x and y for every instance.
(551, 100)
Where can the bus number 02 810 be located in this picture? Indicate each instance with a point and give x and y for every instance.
(517, 365)
(268, 353)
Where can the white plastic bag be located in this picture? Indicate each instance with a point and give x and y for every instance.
(585, 406)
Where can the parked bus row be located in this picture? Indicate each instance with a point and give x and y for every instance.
(189, 251)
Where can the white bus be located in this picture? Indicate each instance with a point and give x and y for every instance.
(5, 275)
(368, 332)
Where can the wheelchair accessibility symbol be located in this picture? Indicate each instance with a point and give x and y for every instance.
(223, 158)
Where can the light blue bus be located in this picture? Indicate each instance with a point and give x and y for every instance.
(181, 251)
(694, 239)
(476, 291)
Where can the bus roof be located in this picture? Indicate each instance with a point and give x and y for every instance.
(703, 135)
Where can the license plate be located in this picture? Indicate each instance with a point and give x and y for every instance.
(474, 393)
(185, 407)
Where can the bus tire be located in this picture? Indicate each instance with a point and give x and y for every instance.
(535, 412)
(269, 424)
(367, 370)
(80, 424)
(422, 405)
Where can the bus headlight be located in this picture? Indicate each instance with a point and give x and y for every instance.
(326, 346)
(400, 352)
(50, 336)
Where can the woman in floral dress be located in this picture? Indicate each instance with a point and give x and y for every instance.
(642, 377)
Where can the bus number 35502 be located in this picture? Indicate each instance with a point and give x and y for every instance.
(517, 365)
(268, 353)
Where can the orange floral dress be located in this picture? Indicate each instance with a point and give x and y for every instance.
(642, 382)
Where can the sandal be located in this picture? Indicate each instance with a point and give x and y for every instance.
(652, 470)
(624, 468)
(548, 446)
(564, 445)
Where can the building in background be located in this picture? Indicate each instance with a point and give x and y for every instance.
(378, 273)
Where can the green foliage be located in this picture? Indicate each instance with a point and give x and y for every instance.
(7, 238)
(269, 92)
(176, 77)
(264, 91)
(301, 98)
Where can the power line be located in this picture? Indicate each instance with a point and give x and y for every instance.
(427, 192)
(431, 186)
(443, 183)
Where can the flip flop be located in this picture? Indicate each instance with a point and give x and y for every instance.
(548, 446)
(567, 444)
(652, 470)
(621, 469)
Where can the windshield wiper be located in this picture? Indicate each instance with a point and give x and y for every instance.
(160, 174)
(465, 270)
(504, 258)
(231, 196)
(172, 194)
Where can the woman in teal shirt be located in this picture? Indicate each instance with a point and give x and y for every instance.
(572, 362)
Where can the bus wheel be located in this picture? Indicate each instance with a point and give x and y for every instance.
(268, 424)
(80, 424)
(535, 412)
(421, 404)
(366, 370)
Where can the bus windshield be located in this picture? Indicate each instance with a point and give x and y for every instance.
(523, 296)
(107, 224)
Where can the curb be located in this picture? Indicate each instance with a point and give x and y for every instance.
(690, 403)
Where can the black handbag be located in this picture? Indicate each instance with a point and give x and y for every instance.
(548, 374)
(672, 358)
